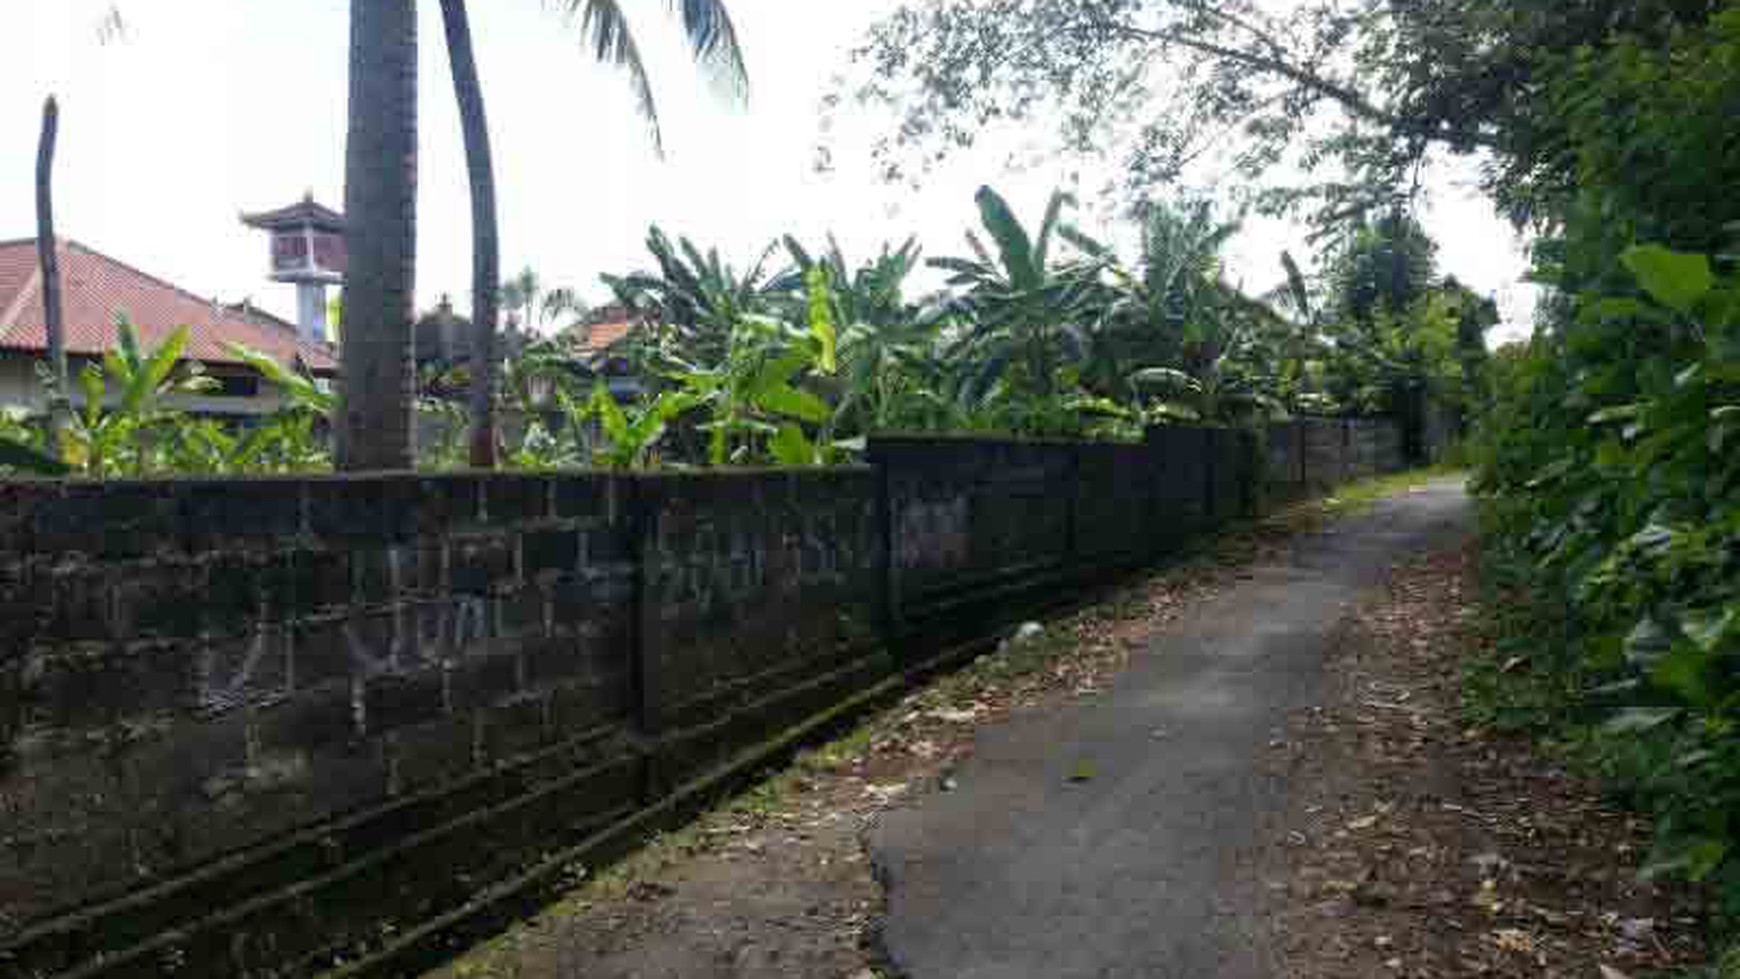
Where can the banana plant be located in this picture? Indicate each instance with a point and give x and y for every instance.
(872, 294)
(755, 403)
(1227, 383)
(285, 443)
(891, 373)
(1163, 311)
(300, 390)
(448, 424)
(630, 438)
(293, 439)
(543, 448)
(1022, 314)
(695, 300)
(752, 394)
(24, 447)
(123, 411)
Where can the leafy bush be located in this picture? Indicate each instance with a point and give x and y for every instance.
(1608, 463)
(1606, 458)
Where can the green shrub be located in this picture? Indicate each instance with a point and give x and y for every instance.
(1613, 503)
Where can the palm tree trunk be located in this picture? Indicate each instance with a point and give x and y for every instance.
(377, 377)
(485, 243)
(48, 256)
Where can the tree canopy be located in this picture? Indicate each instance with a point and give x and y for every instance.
(1354, 92)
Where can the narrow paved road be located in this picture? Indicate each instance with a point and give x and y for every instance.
(1121, 837)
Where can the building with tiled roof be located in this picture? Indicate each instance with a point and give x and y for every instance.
(598, 338)
(96, 288)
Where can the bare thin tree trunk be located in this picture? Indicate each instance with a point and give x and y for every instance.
(485, 242)
(48, 255)
(378, 380)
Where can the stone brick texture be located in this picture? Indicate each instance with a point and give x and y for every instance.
(970, 517)
(1308, 456)
(191, 671)
(247, 724)
(755, 583)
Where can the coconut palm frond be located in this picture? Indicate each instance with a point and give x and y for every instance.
(713, 38)
(605, 31)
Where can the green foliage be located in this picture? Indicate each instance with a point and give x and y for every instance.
(892, 374)
(1639, 135)
(1606, 458)
(1608, 465)
(1041, 331)
(1020, 316)
(122, 422)
(693, 301)
(630, 438)
(126, 422)
(291, 440)
(755, 405)
(1354, 95)
(301, 392)
(1672, 279)
(24, 448)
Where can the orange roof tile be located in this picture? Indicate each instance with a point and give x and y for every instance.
(600, 336)
(96, 287)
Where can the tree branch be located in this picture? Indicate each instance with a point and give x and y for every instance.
(1348, 98)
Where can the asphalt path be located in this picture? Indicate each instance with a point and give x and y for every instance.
(1121, 836)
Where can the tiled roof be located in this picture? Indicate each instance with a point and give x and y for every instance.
(94, 287)
(305, 211)
(600, 336)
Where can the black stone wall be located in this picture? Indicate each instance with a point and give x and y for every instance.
(1308, 456)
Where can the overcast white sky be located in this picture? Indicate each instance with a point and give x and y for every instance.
(212, 107)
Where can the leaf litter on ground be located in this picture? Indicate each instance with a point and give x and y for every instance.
(1466, 852)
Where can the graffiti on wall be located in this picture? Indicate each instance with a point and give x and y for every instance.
(934, 534)
(735, 558)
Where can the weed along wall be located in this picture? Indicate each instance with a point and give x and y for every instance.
(249, 726)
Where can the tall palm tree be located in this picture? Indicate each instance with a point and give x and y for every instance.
(523, 295)
(379, 380)
(485, 240)
(534, 309)
(48, 256)
(714, 40)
